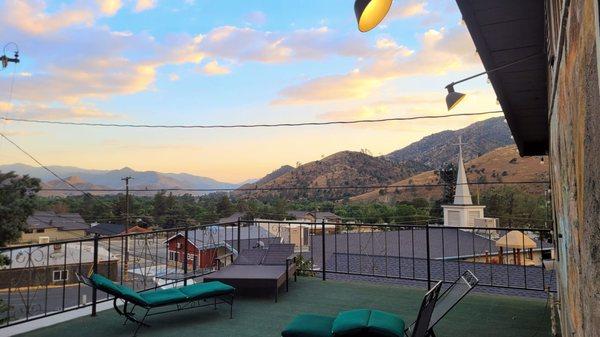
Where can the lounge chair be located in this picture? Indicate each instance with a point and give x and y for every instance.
(256, 270)
(188, 297)
(375, 323)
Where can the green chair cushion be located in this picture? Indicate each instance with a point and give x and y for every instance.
(206, 290)
(385, 324)
(365, 322)
(309, 326)
(117, 290)
(351, 323)
(164, 297)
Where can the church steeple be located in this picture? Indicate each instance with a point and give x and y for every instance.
(462, 195)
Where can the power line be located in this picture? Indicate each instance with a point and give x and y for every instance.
(231, 126)
(284, 188)
(52, 172)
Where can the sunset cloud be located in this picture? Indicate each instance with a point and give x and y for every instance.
(441, 51)
(353, 85)
(213, 68)
(408, 8)
(247, 44)
(31, 16)
(109, 7)
(144, 5)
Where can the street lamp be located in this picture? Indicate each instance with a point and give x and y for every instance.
(369, 13)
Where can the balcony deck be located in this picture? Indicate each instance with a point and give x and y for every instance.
(477, 315)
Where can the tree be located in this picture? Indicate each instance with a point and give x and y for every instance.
(447, 177)
(514, 207)
(224, 207)
(17, 202)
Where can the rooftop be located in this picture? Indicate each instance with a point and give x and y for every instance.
(63, 221)
(477, 315)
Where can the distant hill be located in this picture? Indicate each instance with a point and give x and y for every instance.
(69, 191)
(269, 177)
(499, 165)
(439, 148)
(344, 168)
(112, 178)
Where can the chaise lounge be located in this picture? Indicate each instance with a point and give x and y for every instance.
(188, 297)
(376, 323)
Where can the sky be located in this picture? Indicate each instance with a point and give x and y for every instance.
(227, 62)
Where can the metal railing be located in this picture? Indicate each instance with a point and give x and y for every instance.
(39, 280)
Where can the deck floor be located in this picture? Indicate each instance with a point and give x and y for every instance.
(476, 315)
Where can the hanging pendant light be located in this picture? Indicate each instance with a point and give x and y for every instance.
(369, 13)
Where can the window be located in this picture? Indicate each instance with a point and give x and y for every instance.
(60, 275)
(40, 230)
(173, 256)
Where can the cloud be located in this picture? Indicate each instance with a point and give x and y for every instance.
(441, 51)
(31, 16)
(247, 44)
(213, 68)
(109, 7)
(173, 77)
(144, 5)
(353, 85)
(116, 63)
(55, 111)
(407, 9)
(417, 103)
(256, 18)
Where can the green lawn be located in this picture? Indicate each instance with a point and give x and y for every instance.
(476, 315)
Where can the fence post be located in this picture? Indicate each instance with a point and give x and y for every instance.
(95, 270)
(185, 256)
(428, 257)
(239, 233)
(323, 249)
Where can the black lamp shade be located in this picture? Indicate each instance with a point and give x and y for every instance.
(369, 13)
(453, 98)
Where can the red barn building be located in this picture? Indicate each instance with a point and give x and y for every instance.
(200, 255)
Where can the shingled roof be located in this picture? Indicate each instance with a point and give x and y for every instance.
(62, 221)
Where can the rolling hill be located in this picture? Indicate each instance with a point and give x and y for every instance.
(500, 165)
(344, 168)
(439, 148)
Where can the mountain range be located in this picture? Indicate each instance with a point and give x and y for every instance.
(500, 165)
(485, 142)
(439, 148)
(111, 179)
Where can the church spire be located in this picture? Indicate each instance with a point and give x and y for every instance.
(462, 196)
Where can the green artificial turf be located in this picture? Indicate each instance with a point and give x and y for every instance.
(476, 315)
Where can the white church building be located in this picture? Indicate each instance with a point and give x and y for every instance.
(462, 213)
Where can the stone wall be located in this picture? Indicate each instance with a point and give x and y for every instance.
(575, 170)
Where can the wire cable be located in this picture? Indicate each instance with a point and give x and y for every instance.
(231, 126)
(286, 188)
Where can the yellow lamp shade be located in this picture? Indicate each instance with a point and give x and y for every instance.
(369, 13)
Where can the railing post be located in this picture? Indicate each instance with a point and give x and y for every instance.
(239, 233)
(95, 270)
(323, 249)
(428, 257)
(185, 256)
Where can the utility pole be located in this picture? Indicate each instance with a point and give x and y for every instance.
(126, 179)
(126, 262)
